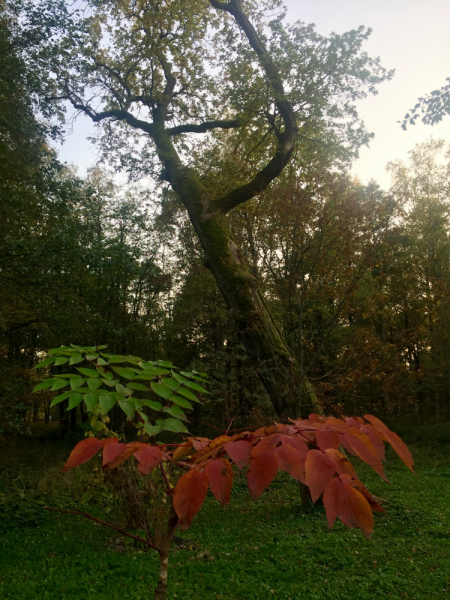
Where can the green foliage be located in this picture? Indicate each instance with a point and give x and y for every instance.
(101, 390)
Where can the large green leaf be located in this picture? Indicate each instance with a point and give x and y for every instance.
(151, 373)
(152, 429)
(61, 361)
(91, 401)
(171, 383)
(92, 373)
(179, 377)
(75, 383)
(175, 411)
(153, 404)
(57, 399)
(196, 387)
(139, 387)
(76, 358)
(45, 384)
(128, 408)
(174, 425)
(181, 402)
(162, 390)
(94, 384)
(44, 363)
(125, 372)
(123, 390)
(188, 394)
(59, 384)
(74, 400)
(104, 373)
(110, 382)
(106, 403)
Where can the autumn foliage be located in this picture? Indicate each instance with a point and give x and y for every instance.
(313, 451)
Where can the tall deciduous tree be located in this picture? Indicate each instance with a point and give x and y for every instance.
(155, 74)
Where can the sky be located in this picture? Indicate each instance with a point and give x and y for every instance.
(410, 36)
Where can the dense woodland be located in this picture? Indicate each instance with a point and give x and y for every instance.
(356, 277)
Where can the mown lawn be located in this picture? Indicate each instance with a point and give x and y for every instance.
(263, 549)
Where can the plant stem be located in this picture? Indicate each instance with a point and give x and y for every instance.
(110, 525)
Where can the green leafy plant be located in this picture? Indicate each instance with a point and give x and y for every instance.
(154, 395)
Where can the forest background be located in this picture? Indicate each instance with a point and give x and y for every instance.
(355, 277)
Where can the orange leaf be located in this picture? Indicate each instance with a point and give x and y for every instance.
(82, 452)
(148, 458)
(341, 463)
(263, 468)
(319, 469)
(266, 442)
(212, 448)
(181, 451)
(220, 479)
(189, 495)
(111, 450)
(199, 443)
(395, 441)
(128, 451)
(365, 449)
(289, 460)
(327, 438)
(343, 500)
(377, 439)
(239, 452)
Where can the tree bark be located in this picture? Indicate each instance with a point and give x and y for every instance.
(161, 588)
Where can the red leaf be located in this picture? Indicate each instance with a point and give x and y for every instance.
(263, 468)
(395, 441)
(341, 463)
(212, 448)
(289, 460)
(355, 510)
(220, 479)
(319, 469)
(327, 438)
(239, 452)
(377, 440)
(343, 500)
(128, 451)
(111, 450)
(267, 442)
(82, 452)
(148, 458)
(189, 495)
(365, 449)
(297, 443)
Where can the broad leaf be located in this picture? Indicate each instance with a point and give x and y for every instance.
(92, 373)
(181, 402)
(263, 468)
(91, 401)
(319, 469)
(76, 383)
(188, 394)
(125, 372)
(82, 452)
(111, 450)
(174, 425)
(161, 390)
(106, 403)
(94, 384)
(189, 495)
(129, 408)
(74, 400)
(220, 479)
(289, 460)
(59, 384)
(76, 358)
(45, 384)
(45, 363)
(148, 458)
(139, 387)
(61, 361)
(239, 452)
(152, 430)
(59, 399)
(196, 387)
(343, 500)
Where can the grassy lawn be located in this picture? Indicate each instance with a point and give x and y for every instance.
(254, 550)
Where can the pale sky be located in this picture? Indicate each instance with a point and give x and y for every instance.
(410, 36)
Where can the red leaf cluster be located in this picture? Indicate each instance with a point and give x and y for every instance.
(311, 450)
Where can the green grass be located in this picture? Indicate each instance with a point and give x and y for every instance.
(263, 549)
